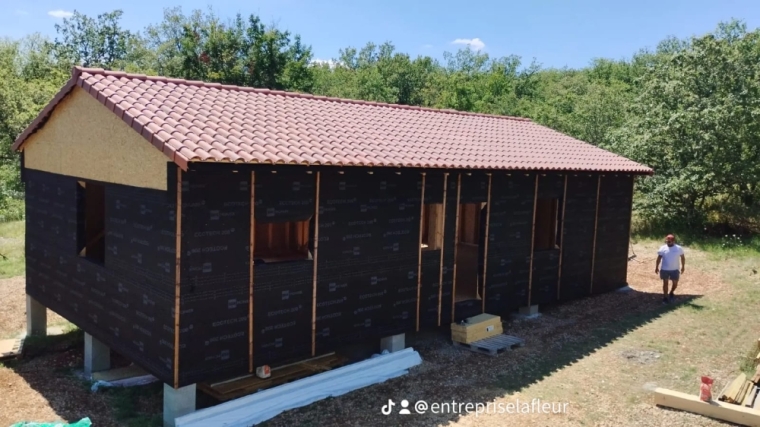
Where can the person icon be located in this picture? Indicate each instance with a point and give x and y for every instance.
(404, 406)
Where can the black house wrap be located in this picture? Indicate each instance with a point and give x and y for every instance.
(613, 231)
(127, 301)
(578, 236)
(366, 270)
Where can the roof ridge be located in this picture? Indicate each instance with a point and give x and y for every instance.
(199, 83)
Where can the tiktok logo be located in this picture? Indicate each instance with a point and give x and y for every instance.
(387, 409)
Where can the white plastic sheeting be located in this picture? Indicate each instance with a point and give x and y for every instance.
(126, 382)
(266, 404)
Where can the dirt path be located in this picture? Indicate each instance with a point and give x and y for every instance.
(13, 308)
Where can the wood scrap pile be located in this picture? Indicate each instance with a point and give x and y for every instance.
(742, 390)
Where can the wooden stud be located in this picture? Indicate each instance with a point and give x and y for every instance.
(562, 238)
(485, 255)
(270, 226)
(178, 258)
(532, 241)
(252, 247)
(714, 409)
(596, 222)
(443, 244)
(419, 250)
(630, 222)
(456, 244)
(314, 284)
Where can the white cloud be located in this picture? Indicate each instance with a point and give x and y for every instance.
(329, 62)
(21, 12)
(60, 13)
(475, 43)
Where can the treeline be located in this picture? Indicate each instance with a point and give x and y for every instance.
(688, 108)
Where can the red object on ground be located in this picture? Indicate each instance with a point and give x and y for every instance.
(705, 393)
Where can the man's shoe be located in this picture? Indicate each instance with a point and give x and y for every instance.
(664, 301)
(671, 298)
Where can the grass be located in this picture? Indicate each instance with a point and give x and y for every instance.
(712, 333)
(11, 249)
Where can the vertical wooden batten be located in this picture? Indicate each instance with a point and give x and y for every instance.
(562, 237)
(485, 255)
(419, 250)
(177, 274)
(630, 224)
(596, 222)
(314, 283)
(456, 244)
(252, 247)
(443, 245)
(532, 242)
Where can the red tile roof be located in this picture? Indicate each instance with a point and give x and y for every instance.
(209, 122)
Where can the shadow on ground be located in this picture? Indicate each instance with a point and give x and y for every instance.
(52, 365)
(562, 335)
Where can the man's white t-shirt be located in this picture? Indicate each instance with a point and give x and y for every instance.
(670, 257)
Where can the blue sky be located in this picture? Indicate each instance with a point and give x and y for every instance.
(556, 33)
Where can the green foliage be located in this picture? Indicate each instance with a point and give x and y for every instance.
(731, 242)
(96, 42)
(11, 249)
(242, 52)
(695, 121)
(689, 109)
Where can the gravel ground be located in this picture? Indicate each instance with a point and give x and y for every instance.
(600, 356)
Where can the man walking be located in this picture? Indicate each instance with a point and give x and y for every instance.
(669, 254)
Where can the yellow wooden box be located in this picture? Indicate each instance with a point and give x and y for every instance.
(477, 328)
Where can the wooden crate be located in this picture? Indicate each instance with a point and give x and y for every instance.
(476, 328)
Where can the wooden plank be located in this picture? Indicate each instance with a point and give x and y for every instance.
(443, 245)
(749, 400)
(715, 409)
(11, 348)
(251, 249)
(250, 384)
(314, 274)
(456, 245)
(419, 250)
(178, 257)
(485, 256)
(532, 241)
(596, 223)
(739, 399)
(733, 389)
(562, 238)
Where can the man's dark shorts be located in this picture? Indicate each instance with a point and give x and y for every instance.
(669, 274)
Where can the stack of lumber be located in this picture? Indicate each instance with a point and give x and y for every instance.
(741, 391)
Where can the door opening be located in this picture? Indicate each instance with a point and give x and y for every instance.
(470, 254)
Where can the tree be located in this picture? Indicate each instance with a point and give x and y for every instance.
(99, 42)
(696, 122)
(242, 52)
(29, 77)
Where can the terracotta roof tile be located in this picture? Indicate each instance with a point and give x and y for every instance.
(197, 121)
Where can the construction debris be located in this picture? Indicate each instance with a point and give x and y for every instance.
(11, 348)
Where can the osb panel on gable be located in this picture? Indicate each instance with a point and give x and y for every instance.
(83, 139)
